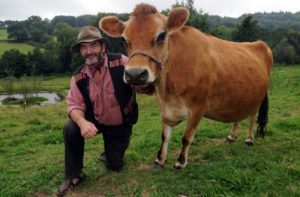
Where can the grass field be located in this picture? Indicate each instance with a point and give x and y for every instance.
(3, 34)
(5, 45)
(32, 151)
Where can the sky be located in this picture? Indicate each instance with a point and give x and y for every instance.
(22, 9)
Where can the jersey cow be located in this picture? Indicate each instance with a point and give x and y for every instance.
(194, 74)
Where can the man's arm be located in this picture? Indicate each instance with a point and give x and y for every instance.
(87, 128)
(76, 108)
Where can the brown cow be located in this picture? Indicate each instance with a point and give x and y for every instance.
(195, 74)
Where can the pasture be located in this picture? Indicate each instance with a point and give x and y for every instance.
(3, 34)
(31, 152)
(5, 45)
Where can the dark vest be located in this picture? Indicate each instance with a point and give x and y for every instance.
(124, 93)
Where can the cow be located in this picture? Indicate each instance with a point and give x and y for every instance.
(194, 74)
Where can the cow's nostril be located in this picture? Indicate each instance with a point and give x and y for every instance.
(144, 75)
(127, 76)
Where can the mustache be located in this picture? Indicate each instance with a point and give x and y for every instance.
(91, 55)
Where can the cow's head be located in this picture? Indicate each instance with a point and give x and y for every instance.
(146, 36)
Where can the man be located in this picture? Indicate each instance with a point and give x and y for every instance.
(98, 102)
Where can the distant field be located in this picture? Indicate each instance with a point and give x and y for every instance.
(24, 48)
(3, 34)
(4, 46)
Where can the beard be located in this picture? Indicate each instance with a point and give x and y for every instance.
(93, 59)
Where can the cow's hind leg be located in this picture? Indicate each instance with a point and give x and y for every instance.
(250, 137)
(234, 132)
(187, 139)
(162, 153)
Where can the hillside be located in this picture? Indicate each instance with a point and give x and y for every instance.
(269, 21)
(6, 44)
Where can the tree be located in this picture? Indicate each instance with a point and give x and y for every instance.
(65, 37)
(70, 20)
(284, 52)
(247, 31)
(64, 32)
(294, 39)
(197, 19)
(17, 31)
(14, 63)
(222, 32)
(36, 62)
(51, 56)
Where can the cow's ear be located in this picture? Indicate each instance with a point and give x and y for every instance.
(177, 19)
(112, 26)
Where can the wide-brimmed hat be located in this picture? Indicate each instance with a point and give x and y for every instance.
(88, 34)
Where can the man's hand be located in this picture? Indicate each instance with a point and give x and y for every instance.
(87, 129)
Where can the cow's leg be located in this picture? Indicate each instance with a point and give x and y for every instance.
(250, 137)
(162, 153)
(187, 139)
(234, 131)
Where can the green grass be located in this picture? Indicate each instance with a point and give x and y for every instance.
(32, 152)
(22, 47)
(6, 45)
(51, 84)
(3, 34)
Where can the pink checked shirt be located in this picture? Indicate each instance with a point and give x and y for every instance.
(106, 107)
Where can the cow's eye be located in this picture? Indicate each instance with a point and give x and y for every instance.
(161, 37)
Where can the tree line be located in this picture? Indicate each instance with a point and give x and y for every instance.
(53, 39)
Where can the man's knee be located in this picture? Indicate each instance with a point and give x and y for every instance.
(71, 129)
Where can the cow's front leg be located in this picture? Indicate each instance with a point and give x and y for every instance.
(183, 157)
(162, 153)
(187, 139)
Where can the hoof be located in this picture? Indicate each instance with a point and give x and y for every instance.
(156, 165)
(249, 142)
(229, 139)
(179, 166)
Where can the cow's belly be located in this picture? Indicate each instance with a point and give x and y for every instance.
(233, 108)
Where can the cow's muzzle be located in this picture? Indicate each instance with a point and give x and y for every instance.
(136, 76)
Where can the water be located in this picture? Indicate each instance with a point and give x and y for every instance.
(52, 97)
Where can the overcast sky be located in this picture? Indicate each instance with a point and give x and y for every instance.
(22, 9)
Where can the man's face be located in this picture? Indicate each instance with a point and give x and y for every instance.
(91, 51)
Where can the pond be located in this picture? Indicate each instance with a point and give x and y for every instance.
(51, 97)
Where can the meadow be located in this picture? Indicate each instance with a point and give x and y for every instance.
(3, 34)
(32, 152)
(6, 45)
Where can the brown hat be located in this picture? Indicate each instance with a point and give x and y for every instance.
(88, 34)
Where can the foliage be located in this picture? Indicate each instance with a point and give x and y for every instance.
(248, 30)
(284, 52)
(13, 63)
(222, 32)
(18, 31)
(46, 44)
(32, 152)
(197, 18)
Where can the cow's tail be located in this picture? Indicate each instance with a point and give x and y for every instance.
(262, 118)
